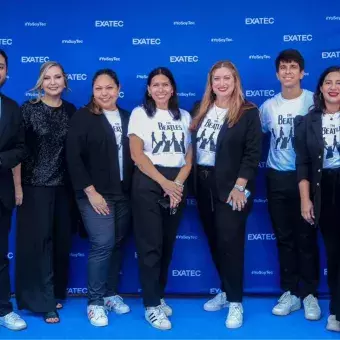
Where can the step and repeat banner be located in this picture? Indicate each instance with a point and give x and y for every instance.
(132, 38)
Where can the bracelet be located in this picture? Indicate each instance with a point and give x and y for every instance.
(179, 183)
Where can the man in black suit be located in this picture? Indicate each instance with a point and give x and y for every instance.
(11, 154)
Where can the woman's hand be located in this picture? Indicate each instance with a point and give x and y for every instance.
(307, 210)
(98, 203)
(173, 190)
(18, 195)
(238, 198)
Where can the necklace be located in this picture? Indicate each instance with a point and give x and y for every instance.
(221, 113)
(334, 115)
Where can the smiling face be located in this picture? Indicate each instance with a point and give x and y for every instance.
(289, 74)
(223, 83)
(105, 92)
(53, 82)
(161, 90)
(331, 89)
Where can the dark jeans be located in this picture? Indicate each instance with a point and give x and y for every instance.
(5, 288)
(296, 240)
(225, 230)
(155, 234)
(103, 268)
(330, 229)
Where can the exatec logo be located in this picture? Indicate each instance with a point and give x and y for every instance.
(77, 76)
(72, 41)
(146, 41)
(262, 272)
(141, 76)
(186, 94)
(184, 59)
(297, 38)
(330, 55)
(76, 291)
(186, 272)
(261, 237)
(111, 59)
(184, 23)
(35, 24)
(77, 255)
(27, 59)
(260, 21)
(215, 291)
(10, 255)
(260, 93)
(109, 23)
(186, 237)
(263, 165)
(260, 57)
(6, 42)
(221, 40)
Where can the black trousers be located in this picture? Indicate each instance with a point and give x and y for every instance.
(296, 240)
(330, 230)
(43, 246)
(5, 288)
(155, 233)
(225, 230)
(104, 261)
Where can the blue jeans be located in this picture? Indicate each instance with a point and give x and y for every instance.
(102, 232)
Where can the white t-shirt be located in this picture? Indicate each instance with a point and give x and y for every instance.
(114, 119)
(207, 135)
(277, 117)
(331, 138)
(165, 140)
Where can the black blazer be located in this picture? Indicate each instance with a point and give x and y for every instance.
(309, 148)
(92, 154)
(12, 148)
(238, 153)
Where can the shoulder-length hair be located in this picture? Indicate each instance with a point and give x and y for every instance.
(37, 90)
(319, 100)
(92, 105)
(237, 104)
(149, 104)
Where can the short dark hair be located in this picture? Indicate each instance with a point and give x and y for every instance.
(150, 105)
(3, 53)
(288, 56)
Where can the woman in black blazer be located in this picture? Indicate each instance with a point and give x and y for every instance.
(227, 148)
(317, 143)
(100, 166)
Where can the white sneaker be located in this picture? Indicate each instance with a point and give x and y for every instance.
(157, 318)
(312, 308)
(333, 324)
(116, 303)
(287, 303)
(235, 315)
(13, 321)
(166, 308)
(218, 302)
(97, 316)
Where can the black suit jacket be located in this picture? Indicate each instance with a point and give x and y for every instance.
(309, 148)
(12, 149)
(238, 153)
(92, 154)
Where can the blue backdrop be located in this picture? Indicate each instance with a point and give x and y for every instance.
(136, 36)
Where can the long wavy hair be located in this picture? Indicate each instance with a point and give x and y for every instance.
(92, 104)
(37, 90)
(149, 104)
(319, 100)
(237, 104)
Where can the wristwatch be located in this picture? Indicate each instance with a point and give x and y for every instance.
(239, 187)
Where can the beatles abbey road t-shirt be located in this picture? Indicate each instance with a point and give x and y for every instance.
(277, 117)
(331, 140)
(165, 140)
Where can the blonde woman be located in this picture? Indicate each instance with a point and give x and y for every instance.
(42, 194)
(227, 148)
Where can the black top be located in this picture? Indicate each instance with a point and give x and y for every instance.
(309, 148)
(11, 148)
(238, 153)
(92, 153)
(45, 135)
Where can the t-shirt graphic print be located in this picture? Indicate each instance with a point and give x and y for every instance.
(331, 140)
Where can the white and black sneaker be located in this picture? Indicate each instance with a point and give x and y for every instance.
(218, 302)
(157, 318)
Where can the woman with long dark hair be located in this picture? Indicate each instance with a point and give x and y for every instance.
(100, 166)
(160, 147)
(317, 143)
